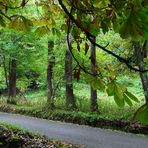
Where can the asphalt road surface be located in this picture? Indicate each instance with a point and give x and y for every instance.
(76, 134)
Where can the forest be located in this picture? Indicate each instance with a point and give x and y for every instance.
(82, 62)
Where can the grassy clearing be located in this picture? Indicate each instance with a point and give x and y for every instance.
(107, 107)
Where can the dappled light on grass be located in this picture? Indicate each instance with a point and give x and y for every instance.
(107, 108)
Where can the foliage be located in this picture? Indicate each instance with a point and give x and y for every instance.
(81, 19)
(107, 107)
(25, 49)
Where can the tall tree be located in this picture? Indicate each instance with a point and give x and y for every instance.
(140, 54)
(93, 92)
(12, 82)
(5, 72)
(50, 74)
(70, 102)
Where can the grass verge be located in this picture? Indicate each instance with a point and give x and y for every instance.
(13, 136)
(91, 119)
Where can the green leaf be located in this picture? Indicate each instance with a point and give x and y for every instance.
(118, 91)
(120, 102)
(101, 85)
(88, 78)
(143, 115)
(104, 26)
(100, 3)
(27, 23)
(124, 30)
(127, 100)
(94, 29)
(56, 32)
(110, 89)
(131, 96)
(2, 22)
(116, 26)
(135, 24)
(96, 83)
(145, 32)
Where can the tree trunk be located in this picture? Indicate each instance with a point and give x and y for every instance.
(5, 71)
(12, 82)
(140, 55)
(70, 102)
(93, 93)
(51, 62)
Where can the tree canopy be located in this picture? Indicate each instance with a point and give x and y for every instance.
(84, 20)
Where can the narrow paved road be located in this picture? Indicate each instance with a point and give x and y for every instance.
(88, 136)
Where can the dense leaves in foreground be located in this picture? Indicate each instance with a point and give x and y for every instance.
(11, 136)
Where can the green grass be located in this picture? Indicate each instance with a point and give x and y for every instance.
(107, 107)
(116, 120)
(14, 134)
(14, 127)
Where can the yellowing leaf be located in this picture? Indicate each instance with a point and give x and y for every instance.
(41, 31)
(55, 8)
(20, 23)
(100, 3)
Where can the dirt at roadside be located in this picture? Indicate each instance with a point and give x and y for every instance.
(14, 138)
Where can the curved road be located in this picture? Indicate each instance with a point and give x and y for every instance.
(76, 134)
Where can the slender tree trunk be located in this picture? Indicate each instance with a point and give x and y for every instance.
(140, 54)
(70, 101)
(12, 82)
(93, 93)
(5, 71)
(50, 75)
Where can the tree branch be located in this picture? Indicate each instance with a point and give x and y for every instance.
(69, 47)
(90, 36)
(9, 18)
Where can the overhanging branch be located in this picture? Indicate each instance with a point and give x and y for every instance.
(70, 50)
(89, 36)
